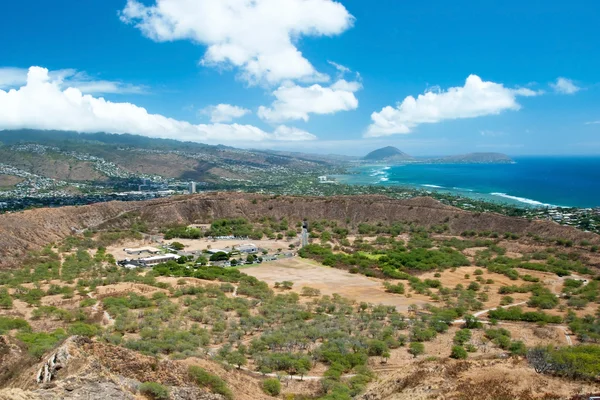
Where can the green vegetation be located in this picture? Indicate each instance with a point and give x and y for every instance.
(182, 232)
(459, 353)
(5, 299)
(154, 390)
(577, 362)
(8, 324)
(39, 343)
(271, 386)
(205, 379)
(517, 314)
(416, 349)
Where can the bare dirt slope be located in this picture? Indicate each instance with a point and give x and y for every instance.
(31, 229)
(478, 379)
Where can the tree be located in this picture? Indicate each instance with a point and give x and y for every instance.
(219, 256)
(462, 336)
(377, 348)
(287, 285)
(251, 258)
(177, 246)
(540, 359)
(416, 349)
(272, 386)
(471, 322)
(237, 358)
(459, 353)
(310, 292)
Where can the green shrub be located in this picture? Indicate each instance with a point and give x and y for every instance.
(459, 353)
(40, 342)
(416, 349)
(271, 386)
(154, 390)
(214, 383)
(462, 336)
(83, 329)
(5, 299)
(8, 324)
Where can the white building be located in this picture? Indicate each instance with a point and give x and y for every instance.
(192, 187)
(140, 250)
(151, 261)
(247, 248)
(215, 251)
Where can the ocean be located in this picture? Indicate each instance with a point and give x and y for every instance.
(530, 181)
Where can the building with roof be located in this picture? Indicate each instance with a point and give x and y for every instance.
(140, 250)
(152, 261)
(247, 248)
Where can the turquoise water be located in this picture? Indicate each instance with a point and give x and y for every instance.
(532, 181)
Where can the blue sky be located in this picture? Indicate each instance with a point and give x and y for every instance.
(269, 69)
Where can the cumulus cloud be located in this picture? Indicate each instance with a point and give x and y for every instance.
(565, 86)
(224, 112)
(258, 36)
(295, 102)
(475, 99)
(43, 104)
(16, 77)
(292, 134)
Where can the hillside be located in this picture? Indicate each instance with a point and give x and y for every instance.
(32, 229)
(389, 299)
(54, 159)
(388, 153)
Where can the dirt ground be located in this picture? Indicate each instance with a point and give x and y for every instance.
(330, 280)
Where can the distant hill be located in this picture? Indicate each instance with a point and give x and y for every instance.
(388, 153)
(107, 158)
(477, 158)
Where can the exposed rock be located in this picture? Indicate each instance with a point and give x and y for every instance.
(83, 369)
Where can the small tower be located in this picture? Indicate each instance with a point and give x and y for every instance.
(304, 233)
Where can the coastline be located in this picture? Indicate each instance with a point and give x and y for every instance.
(520, 184)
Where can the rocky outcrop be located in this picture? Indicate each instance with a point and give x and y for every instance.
(82, 369)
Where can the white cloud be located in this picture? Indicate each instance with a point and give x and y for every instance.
(292, 134)
(256, 36)
(475, 99)
(295, 102)
(565, 86)
(43, 104)
(592, 122)
(16, 77)
(341, 68)
(224, 112)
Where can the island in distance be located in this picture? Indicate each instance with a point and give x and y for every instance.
(392, 154)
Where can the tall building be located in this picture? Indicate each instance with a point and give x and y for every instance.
(192, 187)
